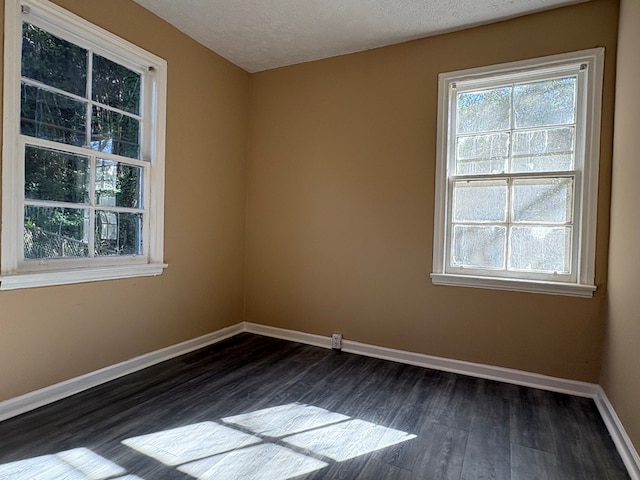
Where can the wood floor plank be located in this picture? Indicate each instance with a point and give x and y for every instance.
(487, 455)
(437, 452)
(408, 423)
(531, 464)
(451, 401)
(531, 425)
(588, 451)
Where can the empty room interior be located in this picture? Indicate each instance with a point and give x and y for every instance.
(303, 199)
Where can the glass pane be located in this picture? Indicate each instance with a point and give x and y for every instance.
(118, 184)
(56, 176)
(478, 246)
(53, 61)
(541, 249)
(115, 133)
(52, 116)
(478, 154)
(539, 104)
(547, 200)
(51, 232)
(115, 85)
(480, 201)
(484, 111)
(549, 150)
(118, 233)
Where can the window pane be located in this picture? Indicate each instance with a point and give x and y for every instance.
(115, 133)
(118, 233)
(56, 176)
(484, 111)
(541, 249)
(115, 85)
(478, 154)
(546, 150)
(544, 103)
(480, 201)
(51, 116)
(118, 184)
(478, 246)
(548, 200)
(53, 61)
(51, 232)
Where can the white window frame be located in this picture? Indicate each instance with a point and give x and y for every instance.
(587, 154)
(16, 272)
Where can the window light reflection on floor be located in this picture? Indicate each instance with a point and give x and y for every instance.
(192, 442)
(276, 443)
(285, 419)
(76, 464)
(259, 462)
(347, 440)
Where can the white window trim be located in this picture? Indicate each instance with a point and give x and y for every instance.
(13, 275)
(588, 195)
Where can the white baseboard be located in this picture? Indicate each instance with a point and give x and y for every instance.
(619, 435)
(518, 377)
(38, 398)
(30, 401)
(291, 335)
(490, 372)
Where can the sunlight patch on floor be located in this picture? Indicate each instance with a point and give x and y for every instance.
(285, 420)
(192, 442)
(76, 464)
(276, 443)
(348, 439)
(259, 462)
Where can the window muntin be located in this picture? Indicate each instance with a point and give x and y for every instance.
(84, 176)
(517, 172)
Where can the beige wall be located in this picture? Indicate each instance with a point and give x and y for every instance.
(51, 334)
(339, 225)
(621, 372)
(340, 210)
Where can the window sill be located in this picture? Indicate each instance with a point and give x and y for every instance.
(80, 275)
(528, 286)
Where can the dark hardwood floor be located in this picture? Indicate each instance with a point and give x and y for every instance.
(253, 407)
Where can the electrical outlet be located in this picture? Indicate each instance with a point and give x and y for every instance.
(336, 341)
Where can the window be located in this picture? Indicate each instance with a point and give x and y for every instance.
(83, 153)
(516, 176)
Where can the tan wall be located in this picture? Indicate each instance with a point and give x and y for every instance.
(340, 213)
(51, 334)
(341, 192)
(620, 373)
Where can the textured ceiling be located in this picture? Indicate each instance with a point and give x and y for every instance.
(263, 34)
